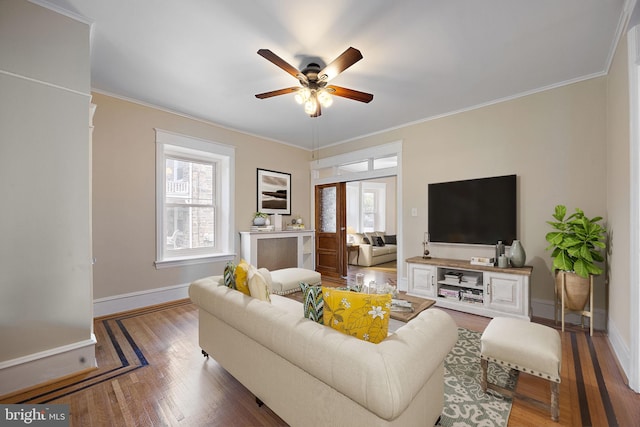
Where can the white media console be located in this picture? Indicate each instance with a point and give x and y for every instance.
(477, 289)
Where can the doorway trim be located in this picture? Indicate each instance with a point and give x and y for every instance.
(327, 171)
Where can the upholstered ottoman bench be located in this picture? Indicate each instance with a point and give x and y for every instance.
(287, 280)
(526, 347)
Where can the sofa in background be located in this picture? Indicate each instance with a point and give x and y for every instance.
(370, 252)
(312, 375)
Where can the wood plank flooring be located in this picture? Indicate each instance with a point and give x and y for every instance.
(151, 373)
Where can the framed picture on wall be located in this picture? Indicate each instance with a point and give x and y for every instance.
(274, 192)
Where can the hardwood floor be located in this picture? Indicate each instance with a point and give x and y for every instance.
(151, 373)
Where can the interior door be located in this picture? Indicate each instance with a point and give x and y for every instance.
(330, 225)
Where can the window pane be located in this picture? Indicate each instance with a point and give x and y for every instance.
(354, 167)
(189, 227)
(328, 217)
(385, 162)
(368, 221)
(368, 202)
(189, 182)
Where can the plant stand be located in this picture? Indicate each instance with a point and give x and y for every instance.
(560, 304)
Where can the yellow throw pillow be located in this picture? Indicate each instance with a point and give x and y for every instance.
(364, 316)
(242, 282)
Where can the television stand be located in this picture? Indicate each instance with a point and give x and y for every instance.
(483, 290)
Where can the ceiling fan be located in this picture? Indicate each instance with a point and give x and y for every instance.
(314, 91)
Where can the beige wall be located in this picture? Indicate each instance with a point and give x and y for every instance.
(124, 232)
(618, 187)
(554, 141)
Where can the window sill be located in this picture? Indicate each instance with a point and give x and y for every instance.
(181, 262)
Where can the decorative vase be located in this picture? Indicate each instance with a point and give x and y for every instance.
(259, 221)
(576, 290)
(517, 255)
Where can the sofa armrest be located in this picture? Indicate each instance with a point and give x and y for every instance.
(366, 254)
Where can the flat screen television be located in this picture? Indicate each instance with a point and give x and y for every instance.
(475, 211)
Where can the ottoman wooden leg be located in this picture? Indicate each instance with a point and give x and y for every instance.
(555, 398)
(483, 380)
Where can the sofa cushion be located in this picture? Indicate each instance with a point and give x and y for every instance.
(312, 302)
(241, 275)
(383, 250)
(229, 275)
(364, 316)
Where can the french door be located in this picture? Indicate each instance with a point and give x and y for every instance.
(330, 227)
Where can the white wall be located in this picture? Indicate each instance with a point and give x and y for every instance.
(45, 256)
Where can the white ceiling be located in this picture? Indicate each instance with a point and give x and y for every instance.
(422, 59)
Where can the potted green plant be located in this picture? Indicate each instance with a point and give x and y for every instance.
(576, 243)
(260, 218)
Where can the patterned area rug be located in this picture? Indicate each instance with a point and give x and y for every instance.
(464, 403)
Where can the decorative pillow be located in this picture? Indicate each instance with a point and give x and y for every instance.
(378, 240)
(312, 302)
(242, 280)
(371, 238)
(258, 286)
(391, 239)
(357, 238)
(267, 276)
(366, 241)
(229, 275)
(364, 316)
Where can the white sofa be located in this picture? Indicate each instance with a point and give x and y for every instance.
(312, 375)
(369, 254)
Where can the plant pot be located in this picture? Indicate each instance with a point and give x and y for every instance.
(576, 290)
(259, 221)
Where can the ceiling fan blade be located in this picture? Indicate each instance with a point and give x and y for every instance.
(350, 93)
(277, 92)
(341, 63)
(275, 59)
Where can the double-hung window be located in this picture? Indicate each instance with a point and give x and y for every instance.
(194, 212)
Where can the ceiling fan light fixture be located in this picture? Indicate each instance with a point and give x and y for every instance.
(302, 95)
(324, 98)
(311, 106)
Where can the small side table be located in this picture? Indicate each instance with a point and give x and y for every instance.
(351, 248)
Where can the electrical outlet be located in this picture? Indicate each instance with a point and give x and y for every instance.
(414, 211)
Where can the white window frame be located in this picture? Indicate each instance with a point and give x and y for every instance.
(379, 191)
(196, 149)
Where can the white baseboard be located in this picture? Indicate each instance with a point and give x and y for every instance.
(544, 308)
(24, 372)
(620, 349)
(135, 300)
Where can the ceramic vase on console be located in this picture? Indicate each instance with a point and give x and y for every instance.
(517, 254)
